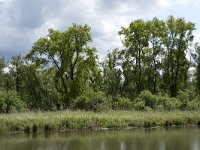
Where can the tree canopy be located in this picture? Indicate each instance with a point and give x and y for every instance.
(154, 70)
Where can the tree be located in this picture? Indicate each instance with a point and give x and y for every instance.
(175, 64)
(15, 70)
(136, 39)
(156, 29)
(74, 61)
(196, 65)
(2, 66)
(6, 81)
(112, 74)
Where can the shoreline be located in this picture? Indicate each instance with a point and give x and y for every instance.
(103, 129)
(34, 122)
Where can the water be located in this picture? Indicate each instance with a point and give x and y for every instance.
(137, 139)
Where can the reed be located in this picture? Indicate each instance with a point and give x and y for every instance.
(31, 122)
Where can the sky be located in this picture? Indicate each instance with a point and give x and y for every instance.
(22, 22)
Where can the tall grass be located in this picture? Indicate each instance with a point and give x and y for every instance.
(64, 120)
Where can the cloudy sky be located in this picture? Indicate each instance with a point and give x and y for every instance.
(22, 22)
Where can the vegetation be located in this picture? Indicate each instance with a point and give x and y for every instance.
(65, 120)
(154, 71)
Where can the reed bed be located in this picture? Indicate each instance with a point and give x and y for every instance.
(31, 122)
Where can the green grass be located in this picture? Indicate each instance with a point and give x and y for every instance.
(67, 120)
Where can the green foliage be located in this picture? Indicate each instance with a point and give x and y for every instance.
(112, 74)
(122, 103)
(193, 104)
(65, 120)
(171, 103)
(139, 104)
(92, 101)
(145, 43)
(37, 89)
(175, 64)
(136, 39)
(196, 64)
(11, 102)
(2, 64)
(72, 58)
(63, 71)
(147, 101)
(187, 95)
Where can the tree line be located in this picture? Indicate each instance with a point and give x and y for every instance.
(155, 70)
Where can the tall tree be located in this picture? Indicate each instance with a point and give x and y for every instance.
(68, 52)
(196, 65)
(2, 66)
(15, 70)
(112, 74)
(175, 64)
(156, 29)
(6, 81)
(136, 39)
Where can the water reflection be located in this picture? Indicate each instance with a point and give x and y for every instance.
(139, 139)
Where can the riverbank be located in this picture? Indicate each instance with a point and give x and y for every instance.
(75, 120)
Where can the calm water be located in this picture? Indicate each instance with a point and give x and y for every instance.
(138, 139)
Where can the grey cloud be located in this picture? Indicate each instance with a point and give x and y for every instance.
(25, 14)
(1, 6)
(14, 42)
(8, 53)
(30, 14)
(22, 19)
(127, 7)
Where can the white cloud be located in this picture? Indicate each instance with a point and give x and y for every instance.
(24, 21)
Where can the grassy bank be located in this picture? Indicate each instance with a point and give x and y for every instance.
(51, 121)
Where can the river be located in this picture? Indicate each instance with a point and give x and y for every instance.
(136, 139)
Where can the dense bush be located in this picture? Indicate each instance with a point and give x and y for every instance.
(99, 101)
(186, 96)
(139, 104)
(92, 101)
(147, 101)
(171, 103)
(10, 102)
(193, 104)
(122, 103)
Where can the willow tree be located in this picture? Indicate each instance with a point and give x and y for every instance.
(74, 61)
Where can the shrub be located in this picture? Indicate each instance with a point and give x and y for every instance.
(10, 102)
(186, 96)
(122, 103)
(147, 101)
(139, 104)
(193, 105)
(171, 103)
(92, 101)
